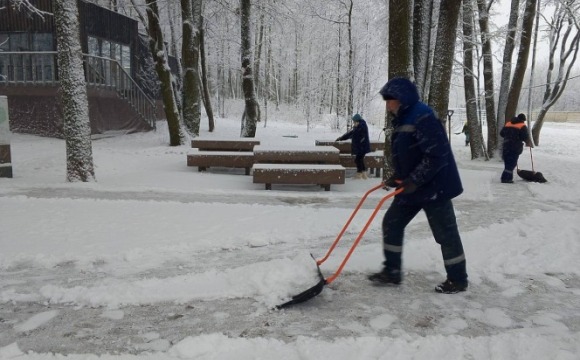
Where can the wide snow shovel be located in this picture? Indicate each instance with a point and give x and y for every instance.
(317, 289)
(531, 175)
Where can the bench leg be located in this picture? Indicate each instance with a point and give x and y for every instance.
(200, 169)
(247, 171)
(378, 172)
(268, 186)
(327, 187)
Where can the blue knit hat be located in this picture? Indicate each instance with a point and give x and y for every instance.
(356, 117)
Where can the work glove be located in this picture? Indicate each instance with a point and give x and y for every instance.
(408, 186)
(391, 183)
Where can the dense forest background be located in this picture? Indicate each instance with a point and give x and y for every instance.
(482, 60)
(301, 50)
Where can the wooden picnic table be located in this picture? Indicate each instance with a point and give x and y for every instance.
(296, 155)
(224, 144)
(345, 146)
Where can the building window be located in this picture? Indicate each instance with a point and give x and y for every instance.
(27, 67)
(102, 70)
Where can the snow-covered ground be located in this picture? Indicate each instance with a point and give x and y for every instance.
(159, 261)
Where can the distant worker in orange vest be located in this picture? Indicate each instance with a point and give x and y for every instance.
(515, 134)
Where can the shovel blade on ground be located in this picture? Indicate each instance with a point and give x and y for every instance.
(533, 176)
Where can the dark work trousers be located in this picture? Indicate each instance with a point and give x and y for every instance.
(359, 160)
(510, 160)
(441, 217)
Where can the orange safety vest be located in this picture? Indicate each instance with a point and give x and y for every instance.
(517, 126)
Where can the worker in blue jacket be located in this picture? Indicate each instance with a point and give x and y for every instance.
(424, 167)
(360, 145)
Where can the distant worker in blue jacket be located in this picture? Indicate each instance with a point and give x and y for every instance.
(515, 134)
(465, 130)
(424, 167)
(360, 146)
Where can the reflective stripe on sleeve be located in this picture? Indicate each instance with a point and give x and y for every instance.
(405, 128)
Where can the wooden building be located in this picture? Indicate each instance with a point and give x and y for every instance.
(113, 63)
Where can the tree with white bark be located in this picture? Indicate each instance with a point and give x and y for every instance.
(73, 93)
(564, 42)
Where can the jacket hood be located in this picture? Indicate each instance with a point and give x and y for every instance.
(401, 89)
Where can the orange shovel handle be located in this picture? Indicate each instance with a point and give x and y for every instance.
(362, 200)
(359, 237)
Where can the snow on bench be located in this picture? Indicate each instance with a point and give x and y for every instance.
(296, 155)
(224, 144)
(299, 174)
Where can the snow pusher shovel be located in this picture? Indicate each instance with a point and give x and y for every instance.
(531, 175)
(317, 289)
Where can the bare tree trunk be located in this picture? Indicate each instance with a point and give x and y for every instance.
(258, 52)
(488, 77)
(349, 104)
(190, 57)
(73, 93)
(251, 111)
(533, 67)
(267, 74)
(400, 59)
(159, 53)
(176, 81)
(399, 36)
(204, 82)
(506, 70)
(296, 74)
(221, 85)
(445, 50)
(422, 17)
(522, 62)
(173, 45)
(474, 130)
(338, 90)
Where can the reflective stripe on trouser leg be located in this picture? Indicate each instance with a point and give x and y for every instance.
(441, 217)
(395, 220)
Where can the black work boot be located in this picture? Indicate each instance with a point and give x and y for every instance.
(450, 287)
(385, 277)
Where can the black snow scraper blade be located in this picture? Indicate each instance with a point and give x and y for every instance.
(534, 176)
(307, 294)
(317, 289)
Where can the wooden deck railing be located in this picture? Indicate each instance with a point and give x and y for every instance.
(35, 68)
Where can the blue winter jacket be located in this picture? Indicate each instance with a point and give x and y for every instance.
(421, 152)
(360, 138)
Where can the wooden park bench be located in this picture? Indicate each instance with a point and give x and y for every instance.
(235, 153)
(302, 174)
(374, 161)
(299, 165)
(229, 159)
